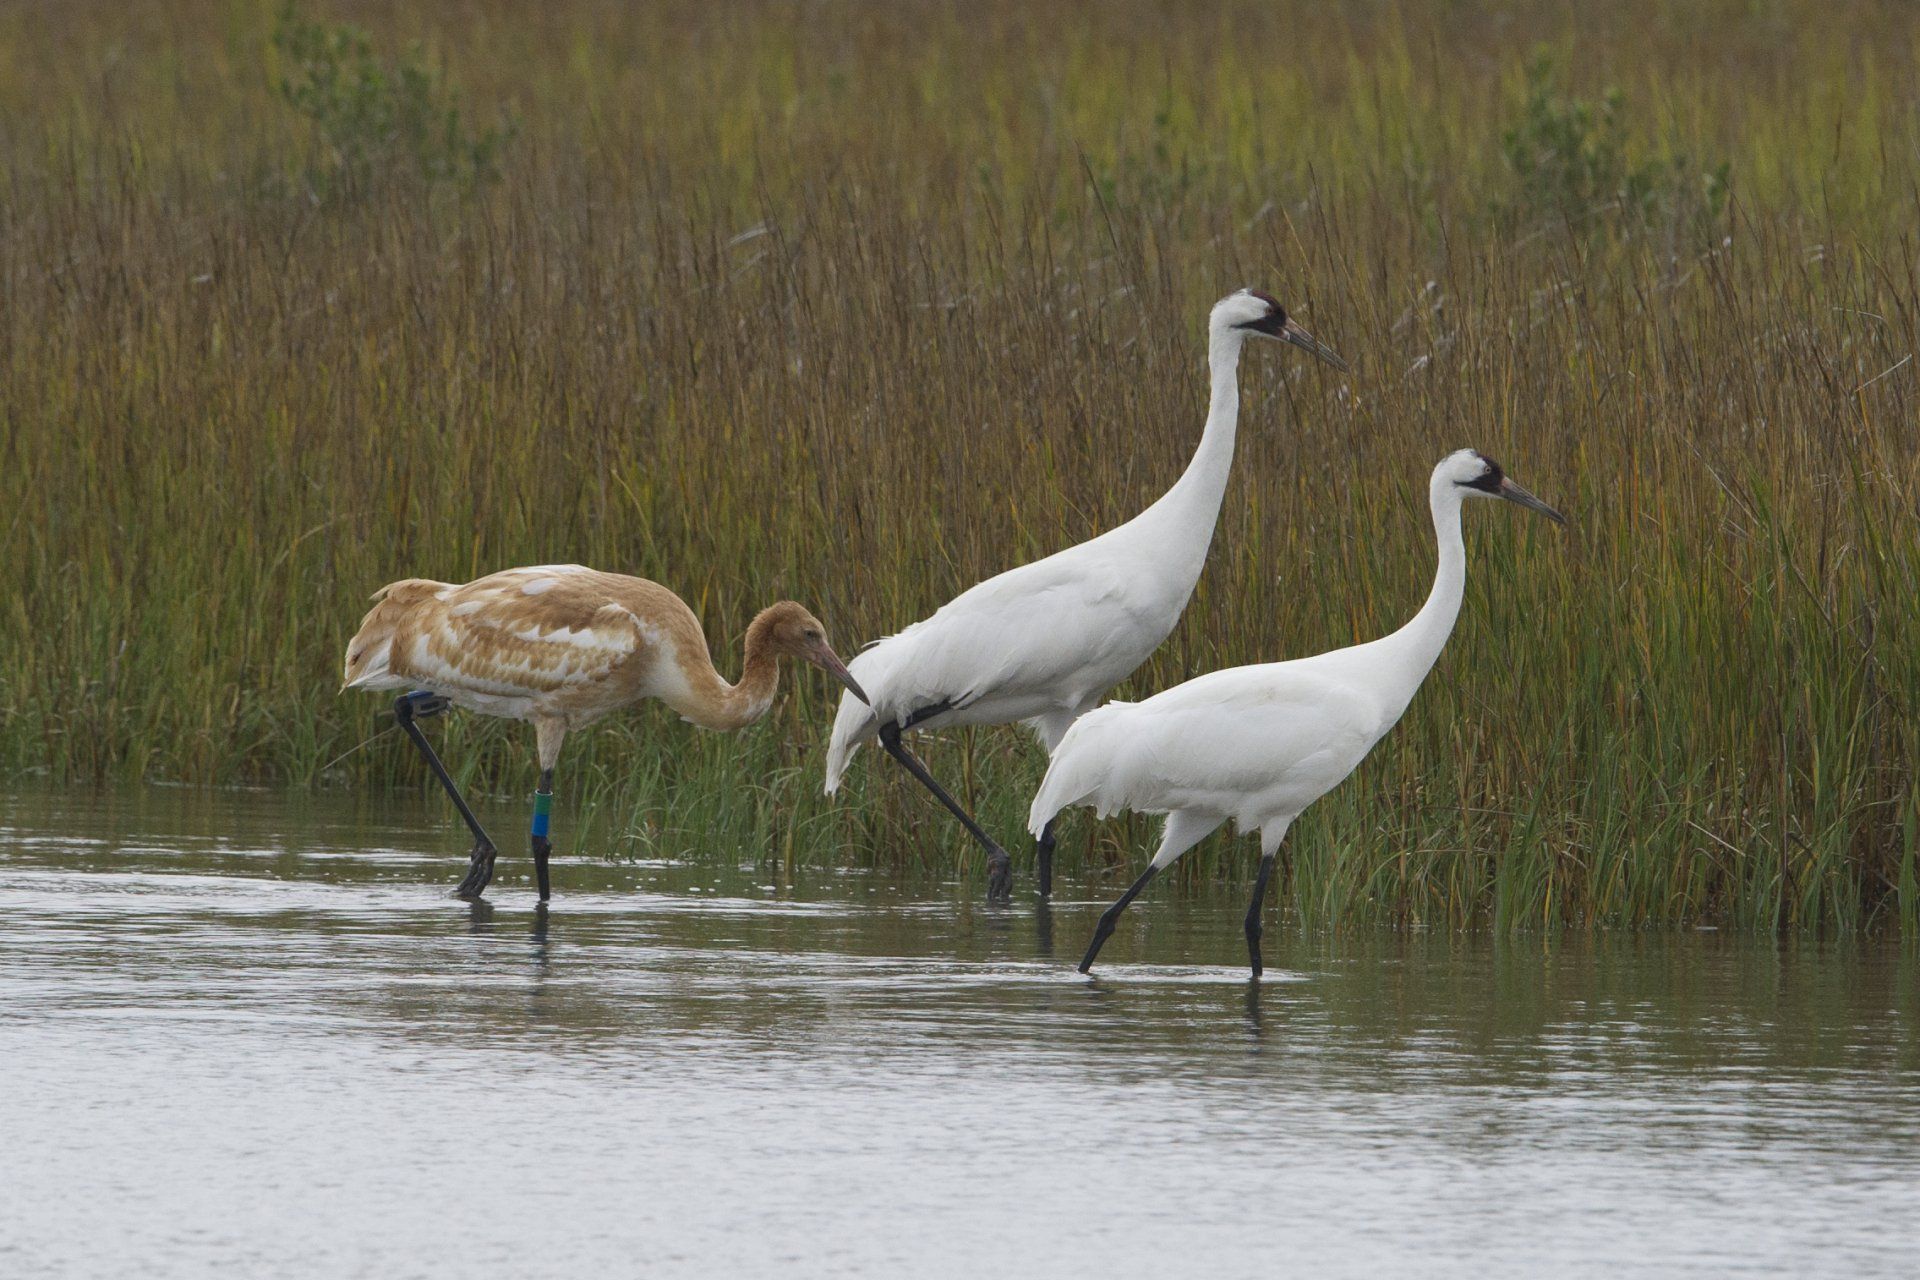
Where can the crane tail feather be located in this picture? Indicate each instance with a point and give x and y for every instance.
(852, 725)
(1082, 771)
(856, 722)
(370, 653)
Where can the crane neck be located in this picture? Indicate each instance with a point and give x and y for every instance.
(1411, 651)
(714, 704)
(1201, 487)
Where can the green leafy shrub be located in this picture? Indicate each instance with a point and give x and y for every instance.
(1570, 158)
(377, 117)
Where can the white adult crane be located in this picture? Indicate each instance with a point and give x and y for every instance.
(1259, 744)
(1043, 643)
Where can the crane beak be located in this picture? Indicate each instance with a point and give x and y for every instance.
(1291, 332)
(829, 661)
(1514, 493)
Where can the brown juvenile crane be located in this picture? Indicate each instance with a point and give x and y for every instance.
(560, 646)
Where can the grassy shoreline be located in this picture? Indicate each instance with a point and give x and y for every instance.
(860, 305)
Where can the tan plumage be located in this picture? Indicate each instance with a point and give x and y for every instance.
(560, 646)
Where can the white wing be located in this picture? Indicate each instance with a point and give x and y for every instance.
(1245, 743)
(1060, 630)
(1046, 637)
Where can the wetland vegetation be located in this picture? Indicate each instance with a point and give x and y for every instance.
(860, 304)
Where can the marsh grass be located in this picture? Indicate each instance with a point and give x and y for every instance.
(859, 304)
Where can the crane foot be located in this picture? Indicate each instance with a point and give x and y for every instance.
(542, 850)
(1100, 936)
(479, 871)
(999, 877)
(1043, 855)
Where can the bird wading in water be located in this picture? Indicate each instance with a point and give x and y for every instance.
(560, 646)
(1043, 643)
(1258, 744)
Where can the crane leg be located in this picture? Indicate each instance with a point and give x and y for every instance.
(1107, 918)
(1253, 913)
(999, 865)
(407, 709)
(1043, 854)
(542, 816)
(1185, 828)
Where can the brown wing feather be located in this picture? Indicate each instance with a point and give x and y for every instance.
(563, 630)
(369, 650)
(523, 632)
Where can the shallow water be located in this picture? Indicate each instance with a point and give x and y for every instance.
(246, 1034)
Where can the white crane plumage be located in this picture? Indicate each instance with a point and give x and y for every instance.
(1258, 744)
(1043, 643)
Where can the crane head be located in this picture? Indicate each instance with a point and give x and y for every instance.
(788, 628)
(1250, 311)
(1477, 475)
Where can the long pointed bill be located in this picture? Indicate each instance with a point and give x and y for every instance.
(1291, 332)
(1514, 493)
(827, 660)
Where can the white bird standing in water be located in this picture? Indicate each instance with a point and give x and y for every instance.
(1259, 744)
(1043, 643)
(560, 646)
